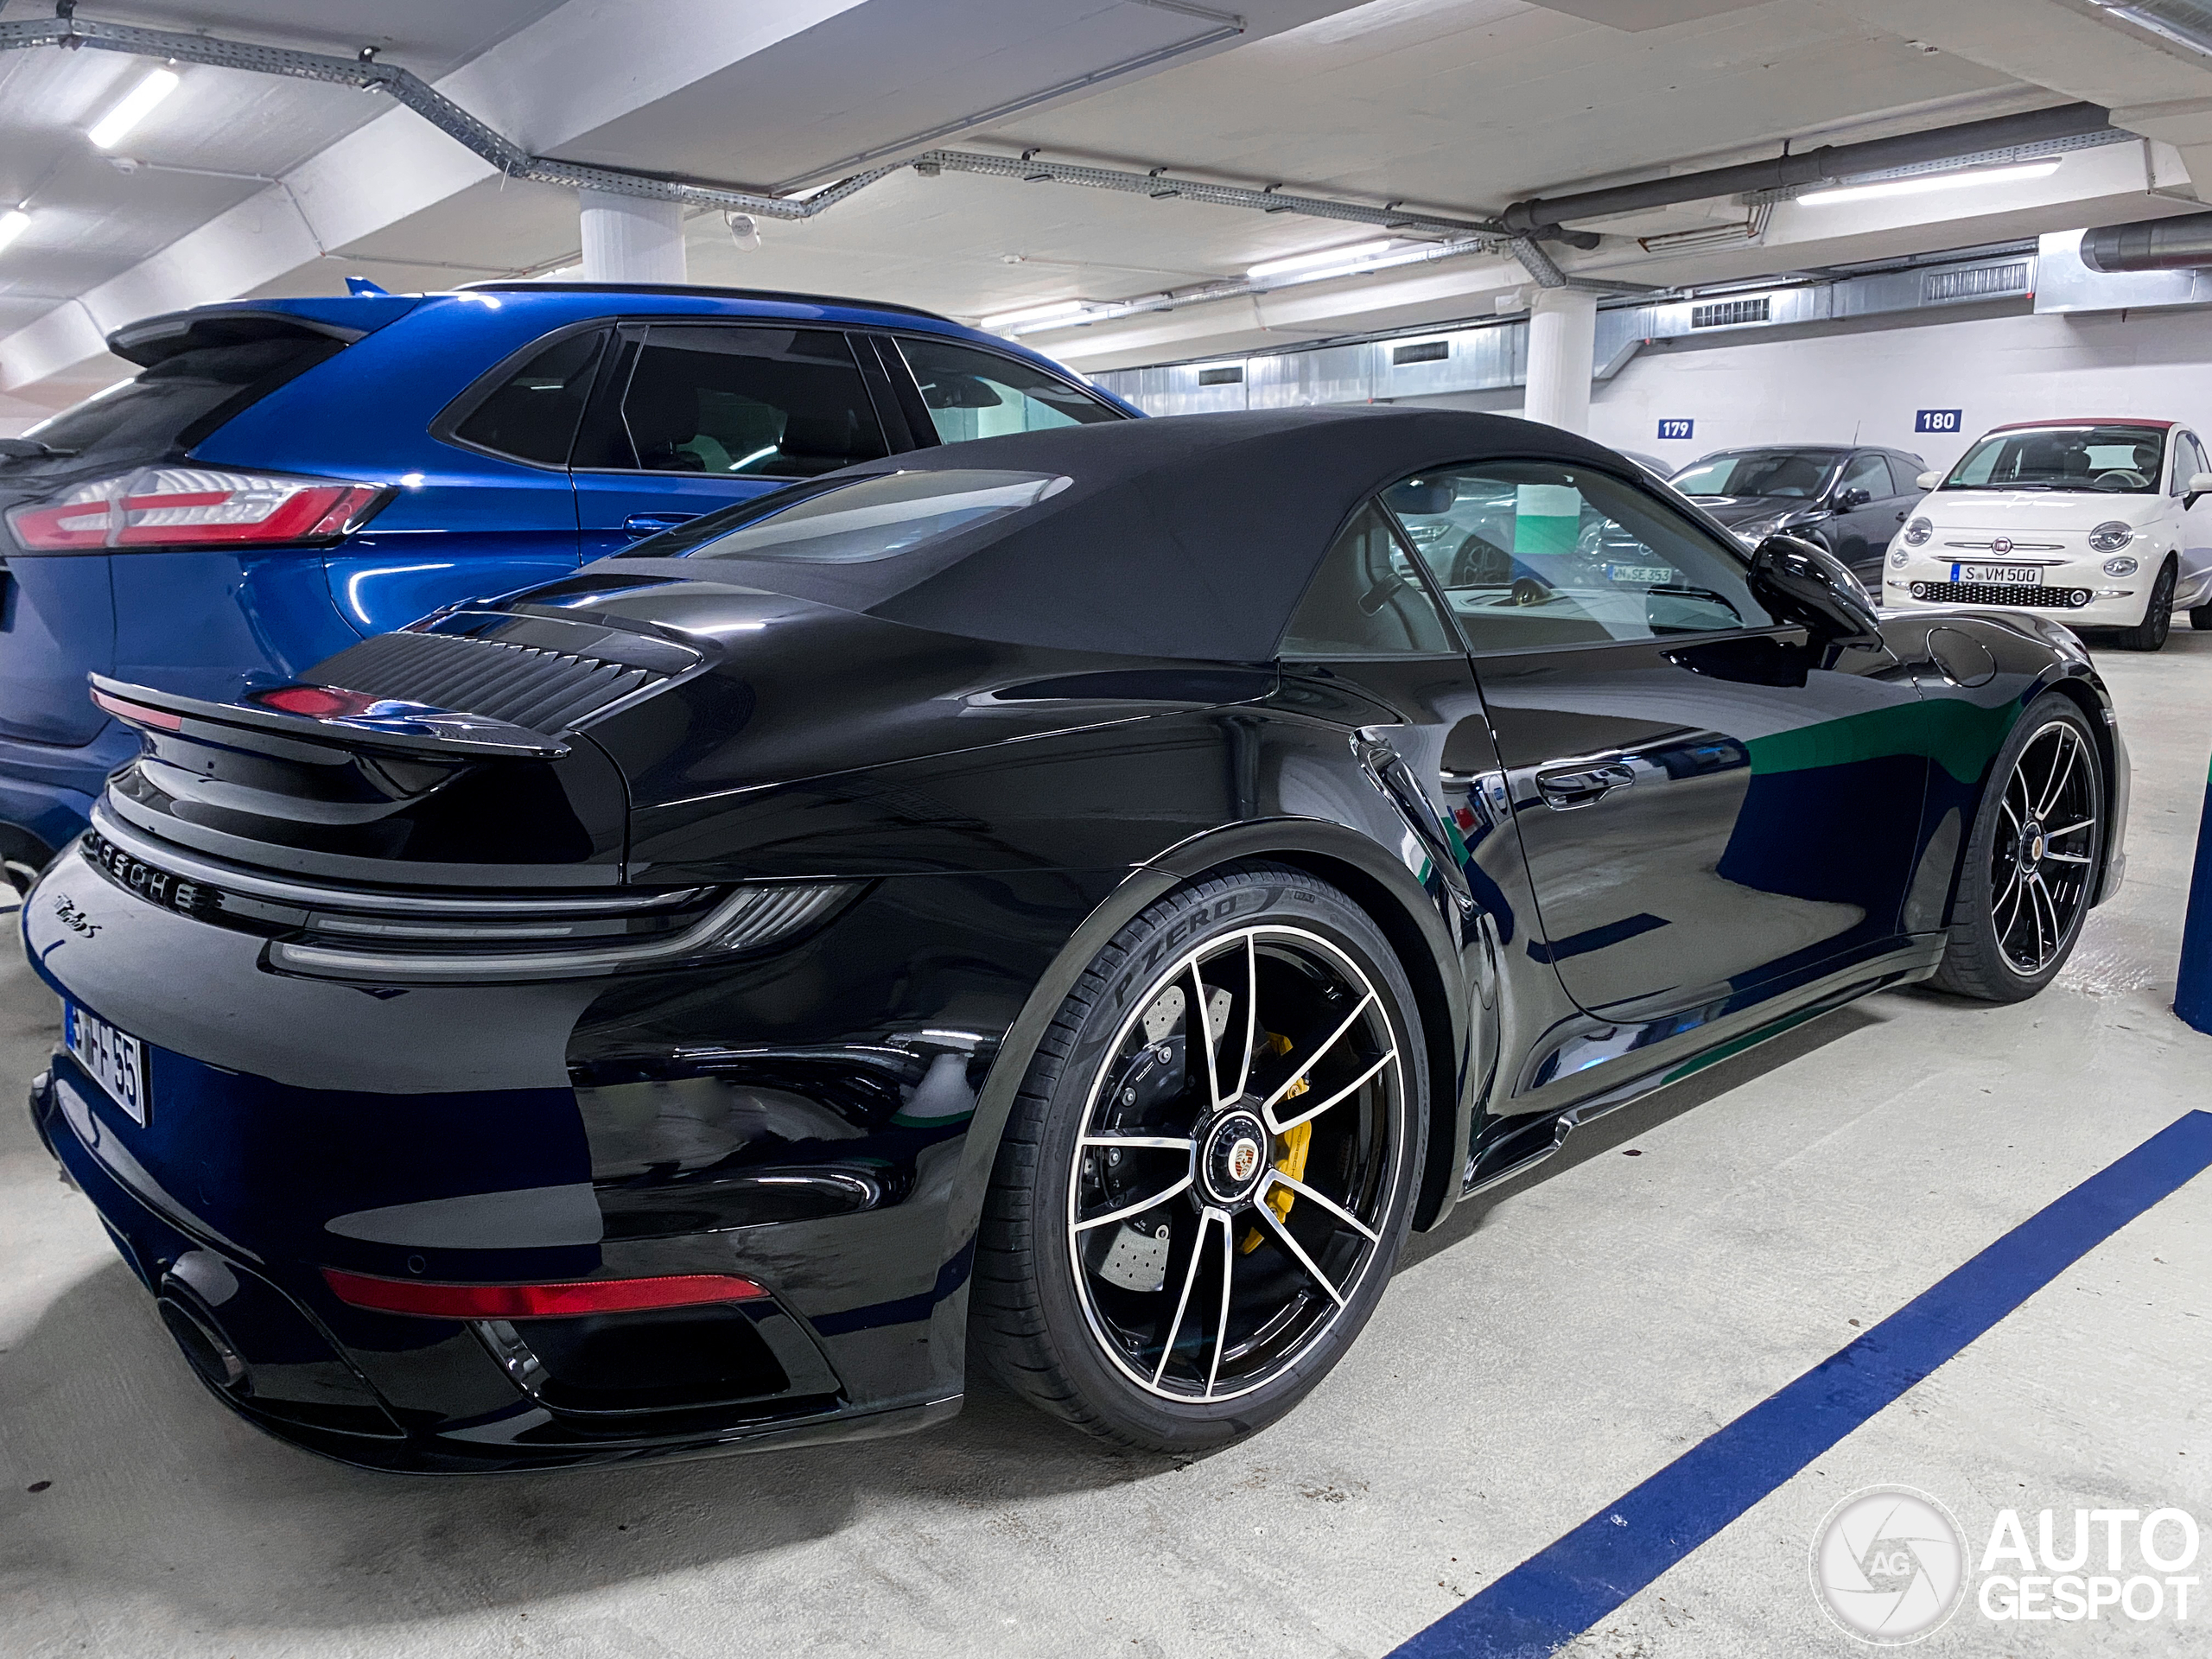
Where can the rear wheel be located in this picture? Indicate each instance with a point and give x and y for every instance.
(2032, 861)
(2149, 634)
(1209, 1170)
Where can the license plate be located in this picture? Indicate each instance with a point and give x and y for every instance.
(1650, 575)
(2004, 576)
(116, 1059)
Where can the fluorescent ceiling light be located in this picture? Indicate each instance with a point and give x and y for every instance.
(1351, 255)
(137, 104)
(1036, 314)
(11, 224)
(1921, 183)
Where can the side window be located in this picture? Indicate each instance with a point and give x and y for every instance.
(2196, 462)
(2187, 460)
(775, 403)
(1866, 473)
(1365, 600)
(1533, 554)
(533, 415)
(973, 394)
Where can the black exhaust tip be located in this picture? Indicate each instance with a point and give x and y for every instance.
(205, 1348)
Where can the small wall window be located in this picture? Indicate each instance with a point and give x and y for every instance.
(1229, 374)
(1367, 601)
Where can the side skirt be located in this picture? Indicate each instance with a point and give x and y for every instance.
(1903, 967)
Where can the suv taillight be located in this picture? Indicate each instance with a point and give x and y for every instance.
(193, 506)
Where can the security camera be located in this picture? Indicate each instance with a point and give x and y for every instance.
(743, 231)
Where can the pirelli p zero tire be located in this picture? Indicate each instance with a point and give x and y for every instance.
(2149, 634)
(1210, 1167)
(2031, 864)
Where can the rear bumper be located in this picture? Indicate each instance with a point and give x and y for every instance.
(411, 1395)
(436, 1132)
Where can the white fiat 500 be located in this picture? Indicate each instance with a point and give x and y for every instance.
(2105, 522)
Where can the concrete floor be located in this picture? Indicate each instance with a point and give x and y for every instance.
(1529, 1364)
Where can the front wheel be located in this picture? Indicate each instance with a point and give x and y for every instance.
(1210, 1167)
(2031, 860)
(2149, 634)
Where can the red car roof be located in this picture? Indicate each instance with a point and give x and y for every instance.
(2098, 420)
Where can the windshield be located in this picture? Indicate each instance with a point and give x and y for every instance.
(1799, 474)
(851, 523)
(2115, 460)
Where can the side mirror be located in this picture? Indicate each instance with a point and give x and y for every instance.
(1422, 498)
(1806, 584)
(2199, 484)
(1926, 480)
(1852, 499)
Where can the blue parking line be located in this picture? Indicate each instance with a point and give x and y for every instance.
(1566, 1587)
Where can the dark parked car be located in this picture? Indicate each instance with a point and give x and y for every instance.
(1073, 900)
(1849, 501)
(286, 477)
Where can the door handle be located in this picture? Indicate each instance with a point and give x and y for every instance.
(1570, 787)
(651, 524)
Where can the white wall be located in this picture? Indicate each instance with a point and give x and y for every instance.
(1820, 383)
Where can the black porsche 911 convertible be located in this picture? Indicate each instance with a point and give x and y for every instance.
(1075, 898)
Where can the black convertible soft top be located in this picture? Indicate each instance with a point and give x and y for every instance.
(1190, 535)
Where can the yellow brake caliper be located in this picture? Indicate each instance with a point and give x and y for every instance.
(1292, 1145)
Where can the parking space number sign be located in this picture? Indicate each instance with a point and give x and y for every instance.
(1936, 419)
(1676, 428)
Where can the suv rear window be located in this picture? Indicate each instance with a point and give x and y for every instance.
(181, 399)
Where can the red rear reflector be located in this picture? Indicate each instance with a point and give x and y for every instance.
(193, 506)
(137, 713)
(561, 1302)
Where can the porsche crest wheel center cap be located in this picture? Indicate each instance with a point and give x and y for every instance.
(1233, 1157)
(2033, 843)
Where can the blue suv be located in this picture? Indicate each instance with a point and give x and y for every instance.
(286, 477)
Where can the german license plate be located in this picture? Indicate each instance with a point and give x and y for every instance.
(1647, 575)
(2004, 576)
(115, 1060)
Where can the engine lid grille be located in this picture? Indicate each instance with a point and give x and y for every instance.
(534, 686)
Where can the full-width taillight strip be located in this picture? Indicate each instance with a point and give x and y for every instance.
(565, 1300)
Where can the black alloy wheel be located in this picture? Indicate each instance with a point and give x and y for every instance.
(1209, 1170)
(2149, 634)
(2032, 862)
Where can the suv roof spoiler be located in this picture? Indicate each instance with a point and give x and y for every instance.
(777, 295)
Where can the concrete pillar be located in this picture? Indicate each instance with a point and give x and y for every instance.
(1562, 356)
(631, 239)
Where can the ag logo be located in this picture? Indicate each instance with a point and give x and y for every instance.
(1889, 1565)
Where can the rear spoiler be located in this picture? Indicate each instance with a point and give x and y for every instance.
(330, 715)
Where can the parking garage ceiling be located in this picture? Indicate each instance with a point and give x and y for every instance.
(251, 184)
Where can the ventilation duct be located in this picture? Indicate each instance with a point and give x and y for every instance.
(2181, 243)
(1974, 138)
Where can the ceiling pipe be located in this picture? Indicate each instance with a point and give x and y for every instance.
(2181, 243)
(364, 71)
(1534, 215)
